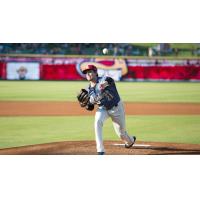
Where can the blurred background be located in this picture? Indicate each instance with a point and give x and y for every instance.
(115, 49)
(123, 62)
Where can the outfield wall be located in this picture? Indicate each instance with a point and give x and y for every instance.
(69, 68)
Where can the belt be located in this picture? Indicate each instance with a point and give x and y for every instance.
(114, 106)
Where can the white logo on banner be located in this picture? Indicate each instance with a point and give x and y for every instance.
(115, 74)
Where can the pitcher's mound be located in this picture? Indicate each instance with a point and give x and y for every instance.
(112, 148)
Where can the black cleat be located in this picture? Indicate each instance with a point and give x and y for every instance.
(130, 145)
(100, 153)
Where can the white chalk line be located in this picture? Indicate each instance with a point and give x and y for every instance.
(135, 145)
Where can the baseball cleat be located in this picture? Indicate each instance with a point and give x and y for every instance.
(130, 145)
(100, 153)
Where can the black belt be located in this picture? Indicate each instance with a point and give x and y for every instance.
(114, 106)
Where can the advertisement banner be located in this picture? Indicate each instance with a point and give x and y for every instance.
(127, 69)
(2, 71)
(115, 68)
(23, 71)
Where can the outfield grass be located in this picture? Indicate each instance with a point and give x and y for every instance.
(20, 131)
(172, 45)
(130, 92)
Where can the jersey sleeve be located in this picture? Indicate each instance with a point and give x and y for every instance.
(94, 98)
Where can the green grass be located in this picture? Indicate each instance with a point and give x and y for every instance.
(172, 45)
(39, 90)
(67, 91)
(160, 92)
(178, 129)
(20, 131)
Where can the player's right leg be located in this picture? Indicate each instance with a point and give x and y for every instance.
(100, 116)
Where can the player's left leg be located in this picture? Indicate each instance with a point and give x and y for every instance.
(118, 117)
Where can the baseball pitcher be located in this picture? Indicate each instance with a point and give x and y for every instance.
(102, 91)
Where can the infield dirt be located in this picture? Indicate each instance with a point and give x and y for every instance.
(43, 108)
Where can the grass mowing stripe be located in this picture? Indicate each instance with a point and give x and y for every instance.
(178, 129)
(19, 131)
(129, 91)
(160, 92)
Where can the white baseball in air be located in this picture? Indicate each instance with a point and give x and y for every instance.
(105, 51)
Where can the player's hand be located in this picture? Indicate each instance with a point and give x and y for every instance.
(103, 85)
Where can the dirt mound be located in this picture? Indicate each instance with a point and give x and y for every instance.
(112, 148)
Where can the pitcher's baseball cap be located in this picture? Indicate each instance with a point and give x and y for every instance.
(89, 67)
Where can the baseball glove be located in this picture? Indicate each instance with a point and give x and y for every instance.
(83, 97)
